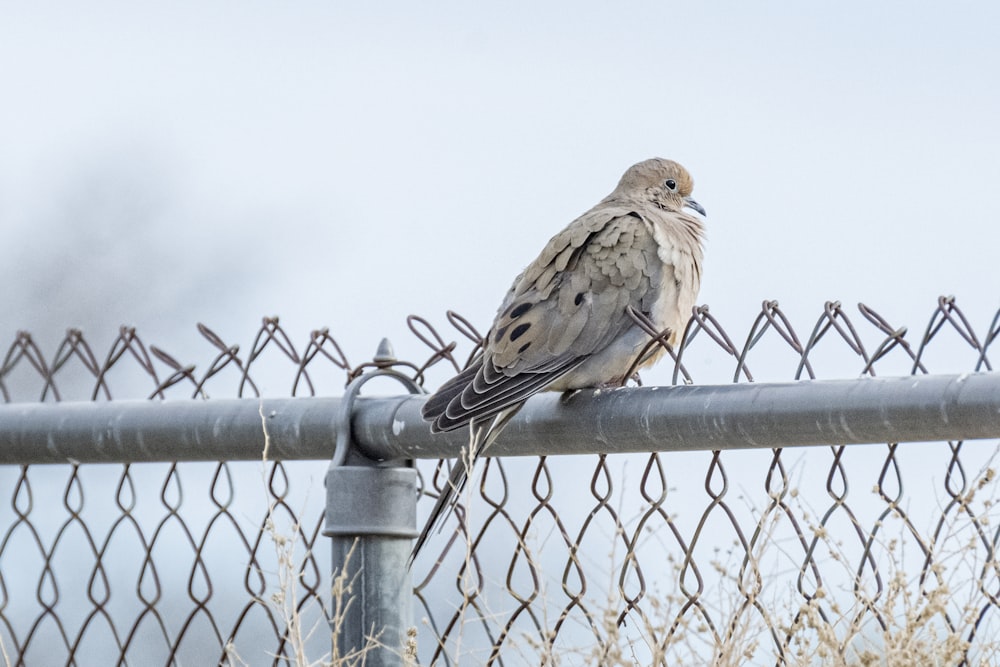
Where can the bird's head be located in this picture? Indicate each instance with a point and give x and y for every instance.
(664, 183)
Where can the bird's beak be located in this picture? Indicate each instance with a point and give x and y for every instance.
(692, 204)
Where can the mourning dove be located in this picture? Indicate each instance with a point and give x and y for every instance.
(565, 322)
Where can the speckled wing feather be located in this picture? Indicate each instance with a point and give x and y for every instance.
(566, 306)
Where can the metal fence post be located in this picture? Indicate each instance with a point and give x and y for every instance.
(371, 516)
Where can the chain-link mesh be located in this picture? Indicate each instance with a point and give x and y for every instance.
(826, 555)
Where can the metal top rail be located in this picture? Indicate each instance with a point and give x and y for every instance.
(633, 419)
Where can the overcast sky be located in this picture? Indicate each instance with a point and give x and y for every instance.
(346, 164)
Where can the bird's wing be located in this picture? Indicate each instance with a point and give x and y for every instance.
(569, 304)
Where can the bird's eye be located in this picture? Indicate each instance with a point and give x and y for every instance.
(671, 184)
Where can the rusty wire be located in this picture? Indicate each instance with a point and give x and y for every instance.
(548, 556)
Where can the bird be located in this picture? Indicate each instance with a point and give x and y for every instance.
(567, 322)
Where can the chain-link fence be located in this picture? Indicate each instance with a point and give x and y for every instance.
(834, 555)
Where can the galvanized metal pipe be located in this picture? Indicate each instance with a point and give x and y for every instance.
(125, 431)
(708, 417)
(371, 517)
(698, 417)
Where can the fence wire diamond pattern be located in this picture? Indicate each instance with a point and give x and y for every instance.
(826, 555)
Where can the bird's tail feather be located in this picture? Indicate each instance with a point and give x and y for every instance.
(481, 436)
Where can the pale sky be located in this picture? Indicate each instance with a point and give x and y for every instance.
(163, 164)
